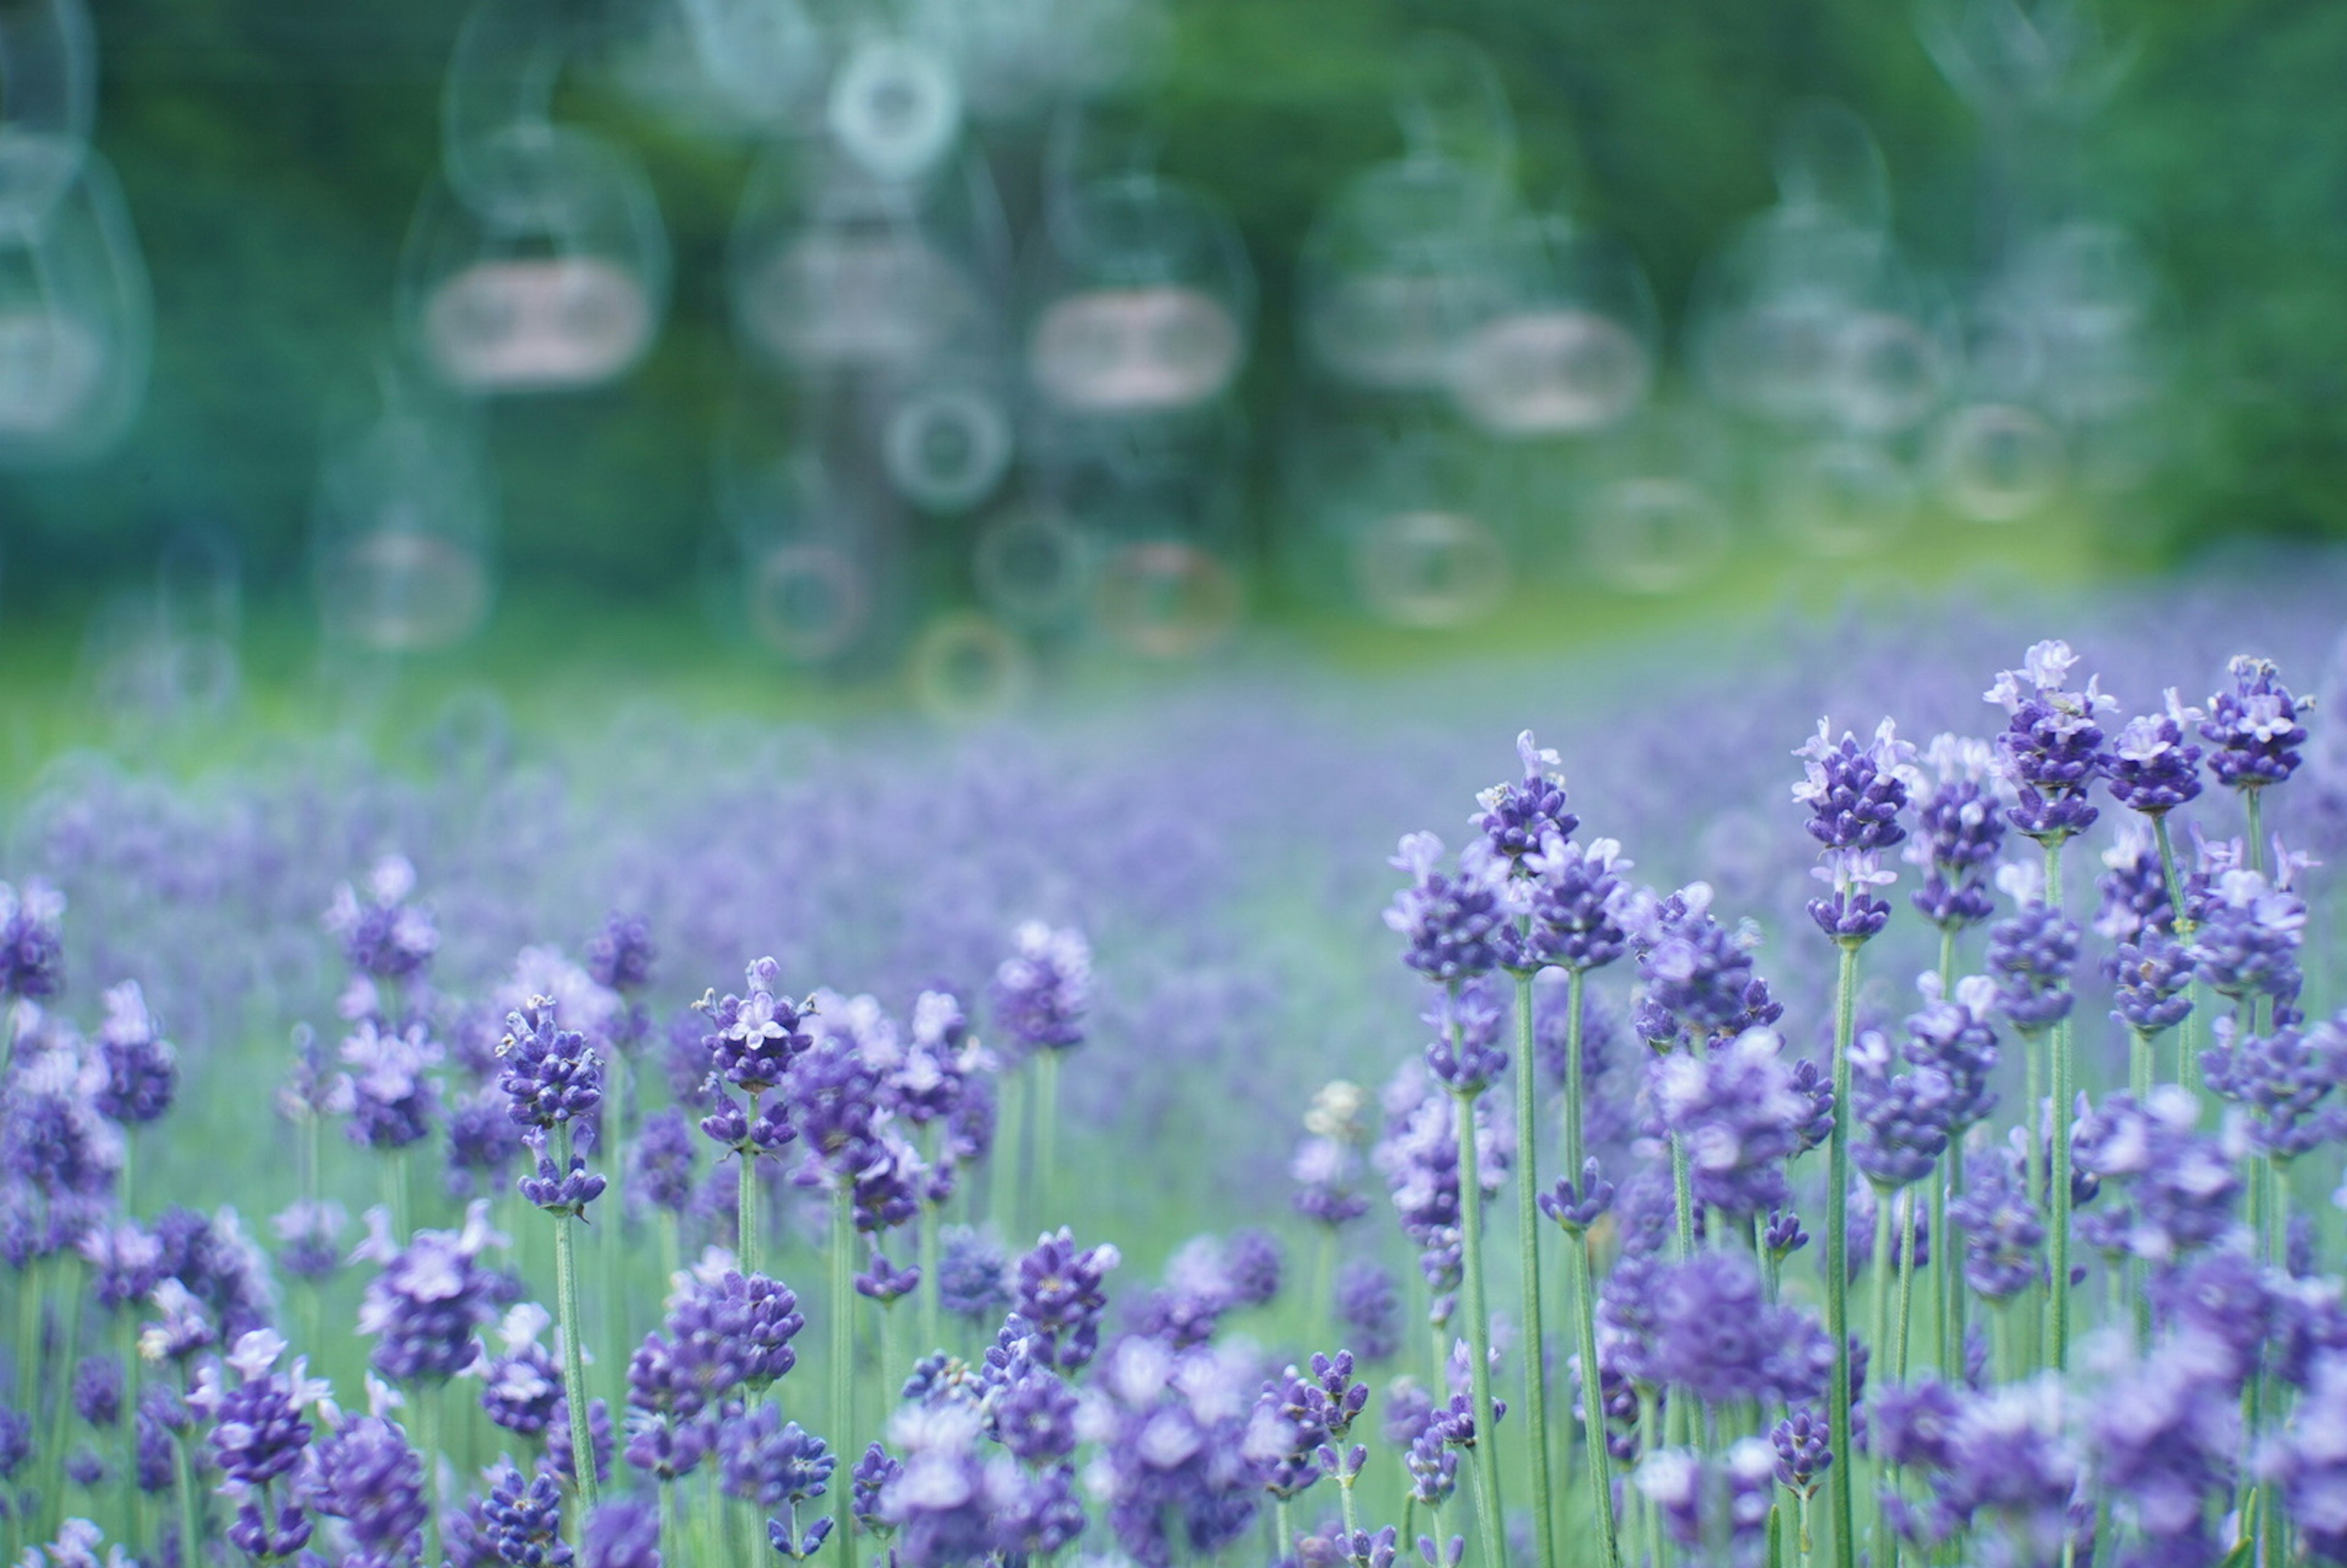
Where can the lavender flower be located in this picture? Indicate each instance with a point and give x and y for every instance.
(2030, 954)
(2248, 939)
(972, 1275)
(524, 1518)
(548, 1072)
(1368, 1309)
(772, 1465)
(385, 936)
(661, 1165)
(2152, 982)
(1850, 912)
(2254, 727)
(1173, 1468)
(1576, 1206)
(1465, 1054)
(2282, 1078)
(1902, 1120)
(2309, 1462)
(2153, 768)
(1952, 1036)
(1450, 923)
(1690, 1489)
(1804, 1450)
(97, 1390)
(2050, 750)
(32, 947)
(365, 1475)
(1736, 1111)
(1716, 1339)
(2002, 1230)
(753, 1038)
(1855, 793)
(623, 1532)
(1565, 894)
(520, 1387)
(621, 954)
(2162, 1437)
(1698, 976)
(1061, 1290)
(430, 1297)
(2182, 1189)
(387, 1096)
(258, 1432)
(562, 1458)
(1517, 819)
(1959, 833)
(310, 1236)
(1042, 992)
(724, 1331)
(884, 1282)
(141, 1066)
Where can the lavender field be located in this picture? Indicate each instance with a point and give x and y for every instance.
(1901, 1060)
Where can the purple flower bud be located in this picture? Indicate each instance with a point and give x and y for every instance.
(1042, 992)
(524, 1517)
(2284, 1079)
(1575, 1208)
(2031, 954)
(1061, 1290)
(1517, 817)
(2254, 727)
(384, 935)
(884, 1283)
(1804, 1450)
(32, 947)
(1450, 923)
(1566, 895)
(763, 1460)
(365, 1475)
(623, 1532)
(561, 1192)
(549, 1073)
(619, 955)
(141, 1066)
(1465, 1054)
(431, 1296)
(2153, 767)
(2050, 750)
(661, 1169)
(1855, 793)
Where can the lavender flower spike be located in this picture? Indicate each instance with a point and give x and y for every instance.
(1450, 923)
(2153, 768)
(2050, 750)
(1855, 793)
(1960, 830)
(1517, 819)
(2254, 727)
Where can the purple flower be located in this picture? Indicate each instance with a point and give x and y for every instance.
(1698, 976)
(1691, 1490)
(548, 1072)
(1042, 992)
(1850, 912)
(483, 1140)
(2282, 1078)
(2002, 1230)
(1173, 1468)
(258, 1433)
(2004, 1455)
(661, 1172)
(2050, 750)
(2308, 1461)
(2134, 886)
(1517, 819)
(2030, 954)
(1960, 833)
(1804, 1450)
(431, 1296)
(97, 1390)
(2152, 982)
(2162, 1436)
(2224, 1296)
(2153, 767)
(384, 935)
(2182, 1189)
(1565, 894)
(561, 1191)
(724, 1331)
(32, 946)
(520, 1387)
(1736, 1110)
(1300, 1423)
(619, 955)
(365, 1475)
(141, 1067)
(1953, 1036)
(311, 1238)
(524, 1518)
(1574, 1207)
(884, 1283)
(387, 1097)
(753, 1038)
(1902, 1120)
(1368, 1309)
(1855, 793)
(1465, 1054)
(1715, 1338)
(2254, 727)
(1450, 923)
(763, 1460)
(623, 1532)
(560, 1456)
(832, 1097)
(1254, 1262)
(1062, 1290)
(2249, 937)
(972, 1275)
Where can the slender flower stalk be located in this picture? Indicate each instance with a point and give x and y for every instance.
(842, 1356)
(2065, 1088)
(1842, 1491)
(574, 1362)
(1535, 1349)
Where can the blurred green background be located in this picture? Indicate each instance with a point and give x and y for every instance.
(272, 154)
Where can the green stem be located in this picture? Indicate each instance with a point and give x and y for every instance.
(2273, 1528)
(1535, 1350)
(1046, 1125)
(2064, 1086)
(1906, 1283)
(1479, 1329)
(1947, 1263)
(428, 1448)
(1575, 1151)
(574, 1349)
(745, 1200)
(1838, 1479)
(61, 1410)
(1345, 1480)
(2254, 805)
(2139, 1065)
(2181, 921)
(1880, 1344)
(933, 1220)
(843, 1353)
(1580, 1268)
(1683, 1195)
(183, 1479)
